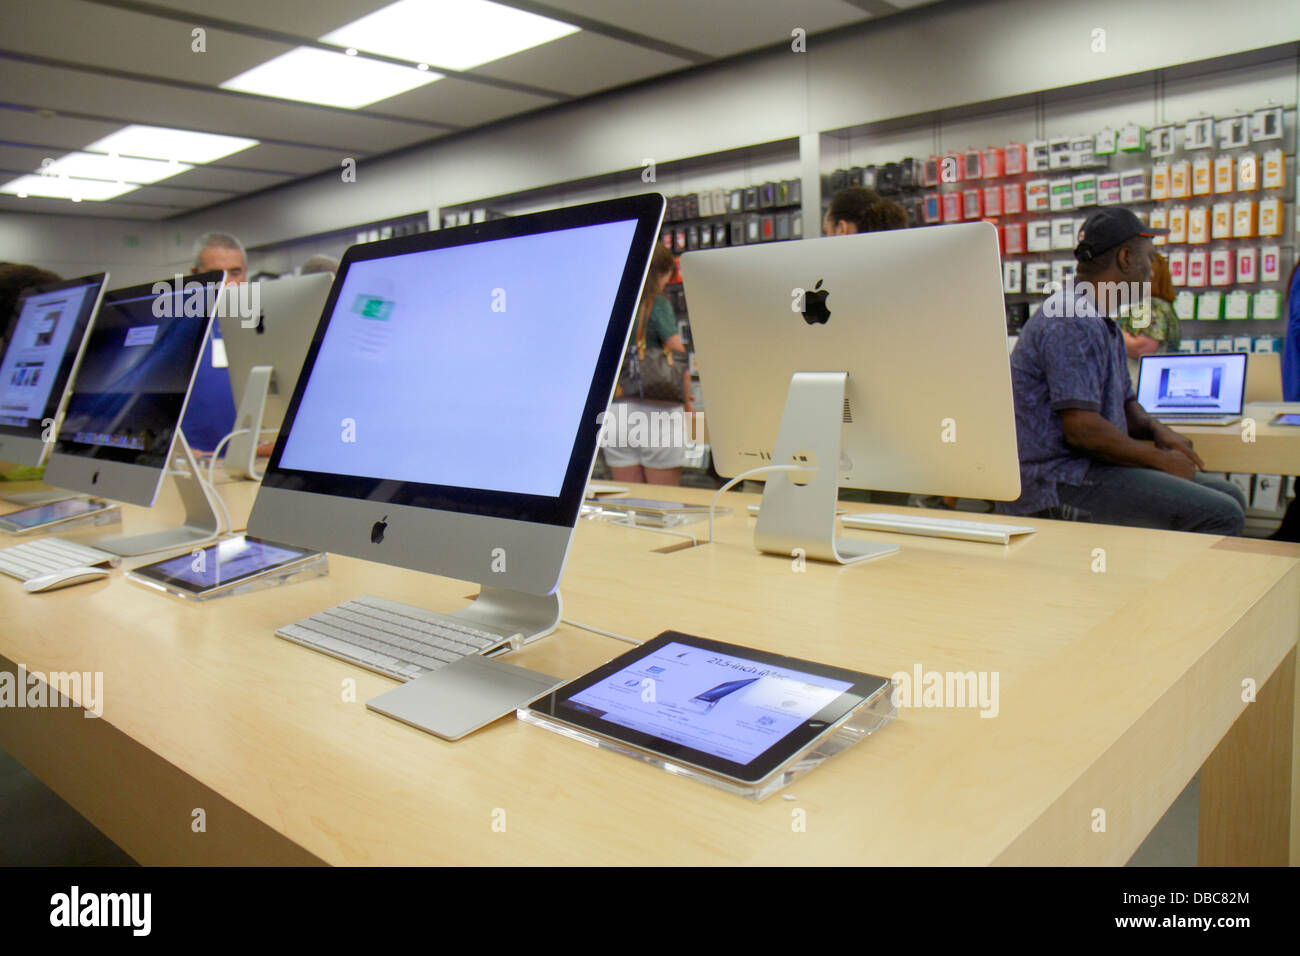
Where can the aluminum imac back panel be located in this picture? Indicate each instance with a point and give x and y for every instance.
(39, 363)
(129, 398)
(914, 316)
(446, 417)
(271, 326)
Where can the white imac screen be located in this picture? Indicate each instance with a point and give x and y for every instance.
(42, 336)
(1192, 383)
(467, 366)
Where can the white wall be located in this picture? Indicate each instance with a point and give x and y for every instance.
(952, 54)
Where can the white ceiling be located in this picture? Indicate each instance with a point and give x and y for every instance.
(73, 71)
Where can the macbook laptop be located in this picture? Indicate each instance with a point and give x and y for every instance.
(1193, 389)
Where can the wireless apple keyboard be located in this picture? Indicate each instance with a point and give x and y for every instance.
(936, 527)
(35, 558)
(393, 639)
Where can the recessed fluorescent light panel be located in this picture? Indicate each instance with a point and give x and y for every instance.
(57, 187)
(456, 34)
(182, 145)
(117, 168)
(122, 161)
(332, 79)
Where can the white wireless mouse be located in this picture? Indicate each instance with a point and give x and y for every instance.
(63, 579)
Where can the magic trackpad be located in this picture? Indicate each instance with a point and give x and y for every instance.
(460, 697)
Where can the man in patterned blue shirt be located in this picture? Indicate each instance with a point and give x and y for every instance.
(1086, 446)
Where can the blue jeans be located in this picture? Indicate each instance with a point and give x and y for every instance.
(1146, 498)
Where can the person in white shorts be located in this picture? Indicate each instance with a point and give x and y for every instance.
(653, 448)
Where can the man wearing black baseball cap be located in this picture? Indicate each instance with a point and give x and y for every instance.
(1087, 448)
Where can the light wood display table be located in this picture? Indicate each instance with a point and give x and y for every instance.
(1275, 450)
(1115, 687)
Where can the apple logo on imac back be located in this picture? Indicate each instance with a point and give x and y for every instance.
(814, 305)
(377, 531)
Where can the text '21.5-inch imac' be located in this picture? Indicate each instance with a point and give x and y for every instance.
(446, 416)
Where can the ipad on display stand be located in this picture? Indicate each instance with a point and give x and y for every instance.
(739, 718)
(448, 412)
(266, 328)
(121, 433)
(48, 336)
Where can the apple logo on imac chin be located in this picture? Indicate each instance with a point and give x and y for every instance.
(378, 529)
(815, 311)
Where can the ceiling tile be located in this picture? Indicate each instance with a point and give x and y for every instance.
(217, 112)
(461, 102)
(308, 19)
(140, 43)
(118, 209)
(718, 27)
(582, 63)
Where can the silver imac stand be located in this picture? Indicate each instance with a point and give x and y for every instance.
(241, 454)
(516, 615)
(801, 517)
(201, 522)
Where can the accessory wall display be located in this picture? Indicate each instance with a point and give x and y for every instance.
(1180, 179)
(1038, 156)
(1177, 259)
(1223, 174)
(1177, 224)
(1202, 171)
(1013, 238)
(1270, 264)
(1014, 159)
(1221, 220)
(1247, 264)
(1198, 134)
(1266, 123)
(1247, 172)
(1132, 139)
(1273, 176)
(1234, 132)
(1161, 140)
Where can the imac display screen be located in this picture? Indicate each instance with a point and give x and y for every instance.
(135, 375)
(41, 352)
(466, 366)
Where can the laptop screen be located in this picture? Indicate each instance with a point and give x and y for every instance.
(1192, 384)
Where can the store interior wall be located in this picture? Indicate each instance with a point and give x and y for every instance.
(964, 51)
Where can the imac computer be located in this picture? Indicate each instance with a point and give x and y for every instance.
(875, 361)
(266, 328)
(447, 415)
(39, 361)
(122, 423)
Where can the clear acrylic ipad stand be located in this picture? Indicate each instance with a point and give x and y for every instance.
(868, 717)
(317, 567)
